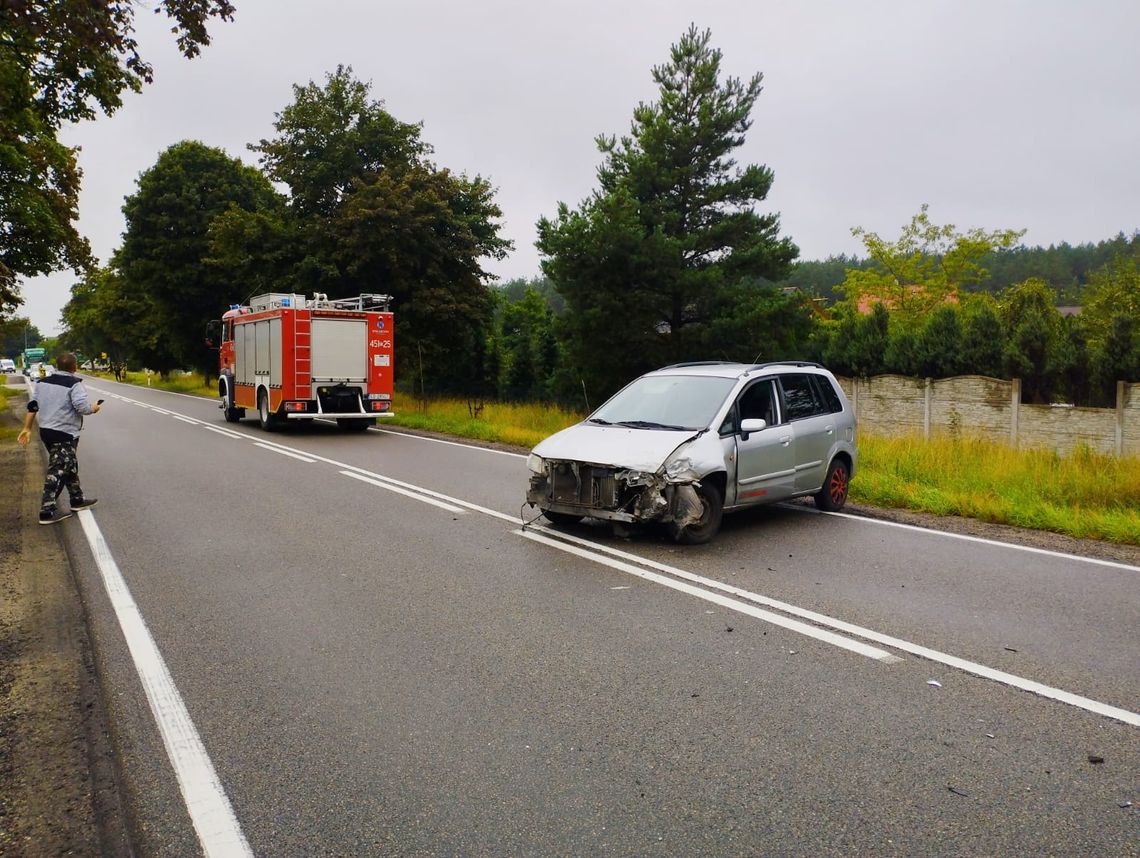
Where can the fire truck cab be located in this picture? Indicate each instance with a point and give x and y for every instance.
(289, 357)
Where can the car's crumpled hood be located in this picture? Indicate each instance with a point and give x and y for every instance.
(613, 446)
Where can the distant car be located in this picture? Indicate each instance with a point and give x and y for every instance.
(7, 365)
(683, 444)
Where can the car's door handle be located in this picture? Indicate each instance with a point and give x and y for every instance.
(785, 440)
(830, 430)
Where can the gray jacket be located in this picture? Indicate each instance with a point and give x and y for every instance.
(60, 401)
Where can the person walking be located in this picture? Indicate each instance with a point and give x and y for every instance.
(61, 402)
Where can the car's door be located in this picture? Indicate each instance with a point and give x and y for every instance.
(765, 464)
(813, 429)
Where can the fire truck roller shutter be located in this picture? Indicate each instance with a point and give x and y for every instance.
(340, 350)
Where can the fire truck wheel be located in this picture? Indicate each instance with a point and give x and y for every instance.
(232, 415)
(355, 424)
(268, 421)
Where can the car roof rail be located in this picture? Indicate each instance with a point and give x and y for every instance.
(701, 363)
(788, 363)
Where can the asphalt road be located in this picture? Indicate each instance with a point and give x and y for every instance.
(376, 660)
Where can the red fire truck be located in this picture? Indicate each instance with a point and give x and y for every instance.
(297, 358)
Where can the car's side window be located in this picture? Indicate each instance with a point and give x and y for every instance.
(826, 389)
(800, 397)
(728, 427)
(759, 402)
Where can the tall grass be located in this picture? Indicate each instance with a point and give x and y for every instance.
(8, 432)
(1084, 494)
(191, 382)
(520, 424)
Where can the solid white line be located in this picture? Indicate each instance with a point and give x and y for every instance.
(297, 456)
(724, 601)
(967, 538)
(206, 801)
(452, 443)
(222, 431)
(180, 417)
(886, 640)
(405, 492)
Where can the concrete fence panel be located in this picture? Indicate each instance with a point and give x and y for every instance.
(977, 406)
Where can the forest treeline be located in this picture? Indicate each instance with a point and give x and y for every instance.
(671, 257)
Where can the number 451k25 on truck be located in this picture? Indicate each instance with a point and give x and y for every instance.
(289, 357)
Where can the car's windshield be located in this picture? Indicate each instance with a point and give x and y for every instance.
(666, 402)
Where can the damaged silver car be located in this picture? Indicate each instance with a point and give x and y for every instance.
(683, 445)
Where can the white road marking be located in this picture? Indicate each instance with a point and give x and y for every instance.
(723, 601)
(452, 443)
(183, 419)
(967, 538)
(210, 810)
(222, 431)
(886, 640)
(405, 492)
(289, 453)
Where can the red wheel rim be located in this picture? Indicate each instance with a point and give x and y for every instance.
(838, 487)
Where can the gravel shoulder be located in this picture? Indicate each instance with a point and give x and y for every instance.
(56, 761)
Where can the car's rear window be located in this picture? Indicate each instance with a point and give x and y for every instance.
(675, 401)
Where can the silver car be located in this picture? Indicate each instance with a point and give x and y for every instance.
(684, 444)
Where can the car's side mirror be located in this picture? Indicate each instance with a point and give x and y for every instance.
(753, 424)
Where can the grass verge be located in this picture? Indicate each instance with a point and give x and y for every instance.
(1086, 494)
(8, 429)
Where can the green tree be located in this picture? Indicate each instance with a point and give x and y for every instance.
(166, 242)
(857, 343)
(673, 222)
(60, 62)
(367, 212)
(924, 268)
(983, 339)
(15, 333)
(1113, 290)
(1036, 346)
(939, 344)
(1115, 358)
(529, 356)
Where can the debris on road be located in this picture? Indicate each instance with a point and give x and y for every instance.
(1096, 759)
(957, 791)
(934, 682)
(1010, 649)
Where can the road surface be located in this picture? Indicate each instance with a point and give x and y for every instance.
(316, 643)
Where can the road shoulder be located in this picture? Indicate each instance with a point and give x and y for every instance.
(56, 760)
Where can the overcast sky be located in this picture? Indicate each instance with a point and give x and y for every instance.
(998, 114)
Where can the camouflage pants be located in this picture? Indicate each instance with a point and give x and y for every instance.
(62, 472)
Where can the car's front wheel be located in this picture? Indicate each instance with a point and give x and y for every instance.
(833, 495)
(712, 511)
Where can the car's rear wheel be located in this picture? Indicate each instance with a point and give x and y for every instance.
(833, 495)
(712, 511)
(563, 519)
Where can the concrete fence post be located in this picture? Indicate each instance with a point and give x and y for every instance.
(1119, 419)
(928, 394)
(1015, 406)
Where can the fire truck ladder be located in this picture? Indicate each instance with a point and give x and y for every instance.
(302, 350)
